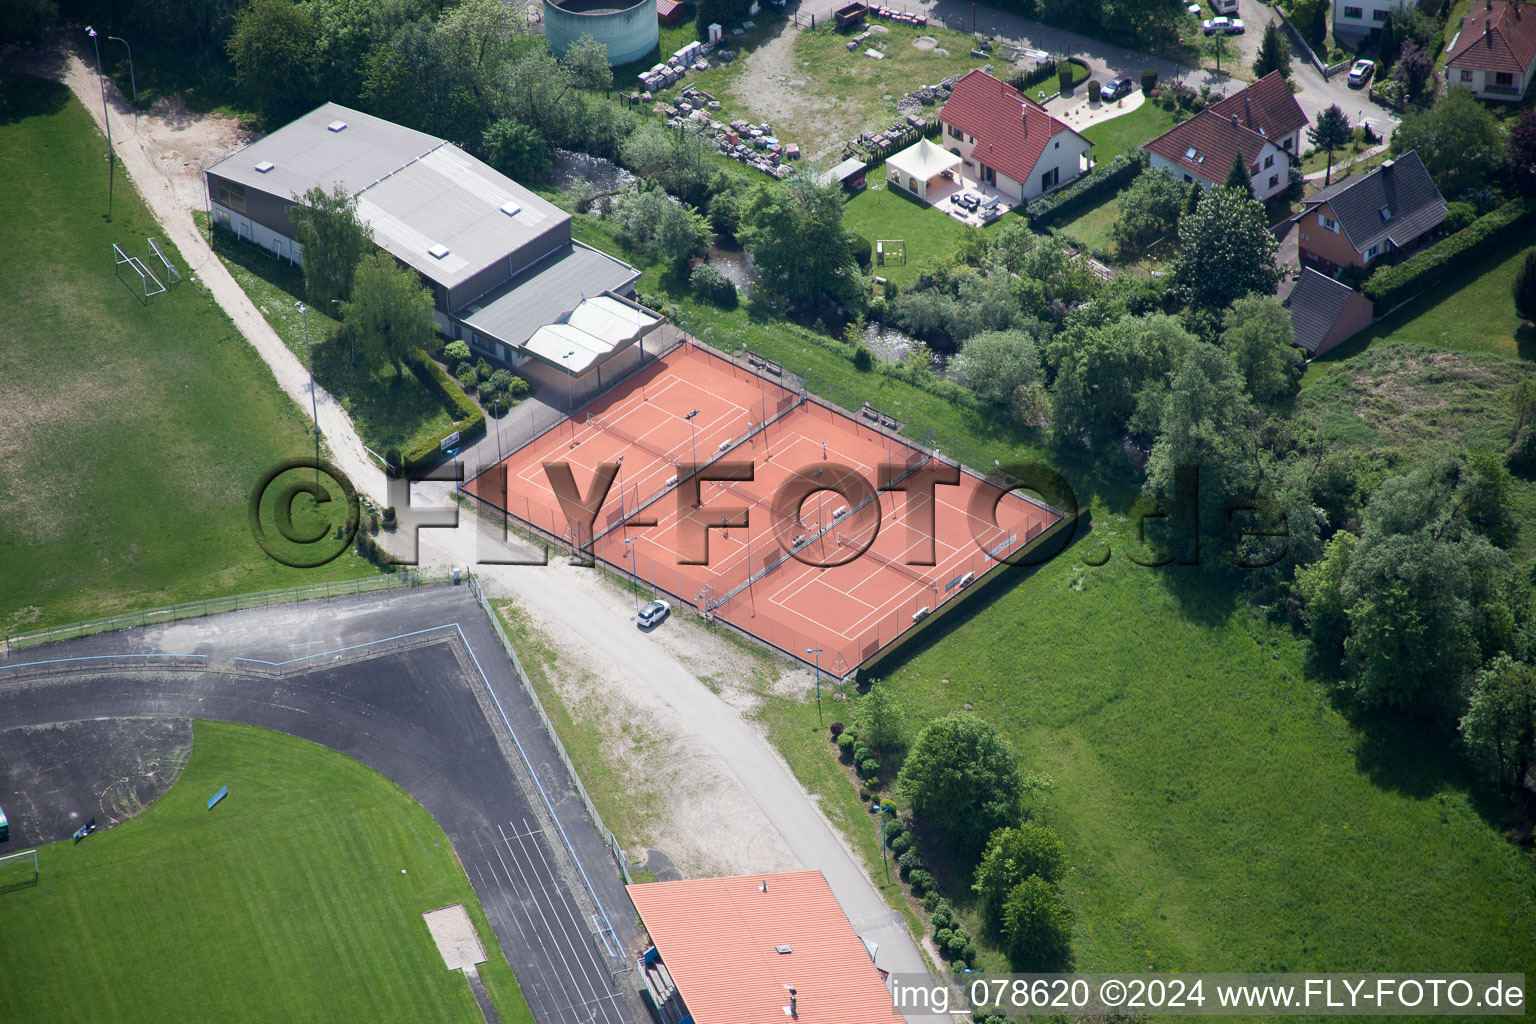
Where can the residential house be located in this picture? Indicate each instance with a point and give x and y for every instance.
(1366, 217)
(1326, 313)
(1262, 123)
(1494, 52)
(1362, 18)
(1007, 142)
(504, 272)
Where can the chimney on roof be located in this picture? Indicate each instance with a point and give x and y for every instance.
(793, 1009)
(1234, 119)
(1386, 167)
(1488, 32)
(763, 885)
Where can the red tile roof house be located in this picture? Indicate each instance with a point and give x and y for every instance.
(1262, 122)
(1495, 50)
(1007, 141)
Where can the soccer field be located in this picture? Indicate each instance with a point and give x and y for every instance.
(297, 898)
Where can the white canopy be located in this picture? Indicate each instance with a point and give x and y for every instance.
(924, 161)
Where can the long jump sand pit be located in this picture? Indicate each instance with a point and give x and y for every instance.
(455, 936)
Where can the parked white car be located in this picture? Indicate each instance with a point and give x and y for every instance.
(1361, 72)
(1230, 26)
(653, 613)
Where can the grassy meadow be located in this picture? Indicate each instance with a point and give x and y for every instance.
(133, 434)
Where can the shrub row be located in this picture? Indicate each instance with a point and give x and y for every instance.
(1390, 286)
(468, 420)
(1088, 189)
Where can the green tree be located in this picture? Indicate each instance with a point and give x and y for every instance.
(661, 227)
(1499, 727)
(1011, 857)
(478, 40)
(1238, 176)
(1330, 132)
(516, 150)
(334, 239)
(1323, 607)
(411, 80)
(1148, 208)
(1459, 140)
(794, 231)
(880, 726)
(1259, 336)
(1218, 47)
(1037, 926)
(1103, 371)
(1524, 287)
(1227, 250)
(1390, 43)
(963, 782)
(1520, 156)
(1311, 19)
(272, 50)
(674, 158)
(1192, 196)
(26, 19)
(1413, 68)
(588, 60)
(390, 314)
(1274, 53)
(997, 364)
(1424, 592)
(1522, 447)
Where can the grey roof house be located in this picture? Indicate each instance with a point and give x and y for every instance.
(1325, 312)
(1365, 217)
(499, 260)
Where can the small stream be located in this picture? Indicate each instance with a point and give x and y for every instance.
(569, 167)
(735, 263)
(887, 343)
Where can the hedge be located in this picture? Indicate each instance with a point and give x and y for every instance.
(1088, 189)
(469, 421)
(1389, 287)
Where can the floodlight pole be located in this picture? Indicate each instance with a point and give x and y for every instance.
(570, 399)
(106, 119)
(817, 652)
(634, 582)
(133, 80)
(314, 409)
(694, 433)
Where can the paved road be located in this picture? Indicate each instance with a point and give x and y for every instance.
(424, 718)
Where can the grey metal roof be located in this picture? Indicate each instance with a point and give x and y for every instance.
(418, 193)
(547, 291)
(842, 172)
(1401, 187)
(1315, 303)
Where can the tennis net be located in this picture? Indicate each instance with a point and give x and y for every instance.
(617, 431)
(900, 567)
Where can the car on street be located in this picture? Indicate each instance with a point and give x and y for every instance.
(1230, 26)
(1228, 7)
(652, 614)
(1361, 72)
(1116, 89)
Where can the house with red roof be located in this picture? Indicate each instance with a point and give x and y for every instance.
(1261, 123)
(1495, 50)
(1007, 142)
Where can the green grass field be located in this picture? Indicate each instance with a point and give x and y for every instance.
(1471, 310)
(286, 902)
(881, 213)
(133, 435)
(1124, 133)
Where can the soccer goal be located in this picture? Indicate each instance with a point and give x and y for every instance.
(13, 870)
(143, 283)
(172, 275)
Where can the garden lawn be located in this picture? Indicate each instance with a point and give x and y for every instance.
(1124, 133)
(880, 212)
(298, 898)
(1091, 226)
(1471, 310)
(390, 410)
(133, 434)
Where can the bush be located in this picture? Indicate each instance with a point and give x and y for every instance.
(1388, 287)
(456, 352)
(501, 380)
(1095, 90)
(845, 747)
(956, 946)
(1353, 277)
(1064, 78)
(518, 388)
(484, 390)
(863, 360)
(389, 518)
(498, 404)
(911, 860)
(468, 420)
(1458, 215)
(1097, 183)
(860, 751)
(931, 901)
(482, 369)
(863, 251)
(709, 282)
(1148, 80)
(941, 938)
(837, 730)
(920, 880)
(900, 844)
(467, 377)
(869, 767)
(943, 915)
(895, 827)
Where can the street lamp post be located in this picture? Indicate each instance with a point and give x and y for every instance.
(133, 79)
(883, 858)
(817, 652)
(106, 119)
(314, 408)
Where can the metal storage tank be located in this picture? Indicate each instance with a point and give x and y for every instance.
(629, 30)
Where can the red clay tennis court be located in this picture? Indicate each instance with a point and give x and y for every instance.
(809, 554)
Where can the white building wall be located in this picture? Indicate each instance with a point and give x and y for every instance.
(1066, 155)
(1481, 80)
(1361, 17)
(1280, 170)
(251, 231)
